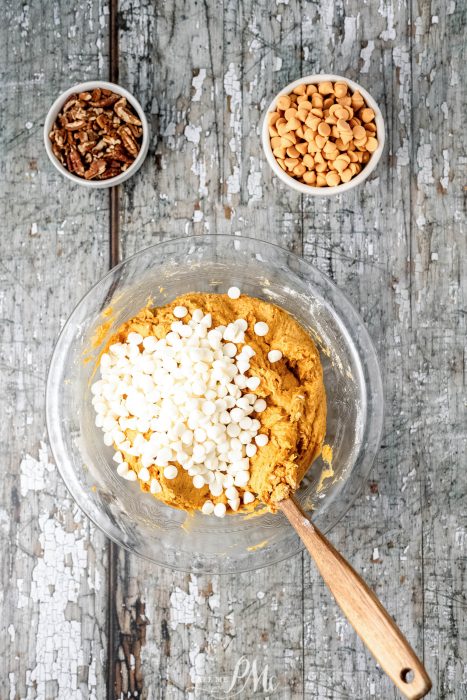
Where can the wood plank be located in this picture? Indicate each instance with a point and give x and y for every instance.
(204, 78)
(53, 247)
(362, 240)
(438, 302)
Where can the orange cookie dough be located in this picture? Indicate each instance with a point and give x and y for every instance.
(295, 417)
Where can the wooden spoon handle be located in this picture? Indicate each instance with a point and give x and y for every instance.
(362, 608)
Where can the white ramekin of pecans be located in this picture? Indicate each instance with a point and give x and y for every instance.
(323, 134)
(96, 134)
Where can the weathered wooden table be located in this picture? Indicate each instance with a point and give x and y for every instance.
(204, 71)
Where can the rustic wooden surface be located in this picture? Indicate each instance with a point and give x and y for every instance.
(204, 72)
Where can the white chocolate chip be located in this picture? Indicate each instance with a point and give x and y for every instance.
(208, 508)
(220, 510)
(233, 292)
(261, 328)
(180, 311)
(274, 356)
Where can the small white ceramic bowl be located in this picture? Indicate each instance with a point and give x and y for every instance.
(57, 106)
(345, 186)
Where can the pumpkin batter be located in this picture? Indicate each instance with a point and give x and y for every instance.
(295, 417)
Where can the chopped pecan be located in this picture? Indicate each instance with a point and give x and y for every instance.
(96, 135)
(111, 172)
(119, 154)
(128, 141)
(75, 163)
(105, 101)
(121, 111)
(137, 131)
(69, 103)
(74, 126)
(104, 122)
(96, 169)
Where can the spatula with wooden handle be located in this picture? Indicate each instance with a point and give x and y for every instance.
(362, 608)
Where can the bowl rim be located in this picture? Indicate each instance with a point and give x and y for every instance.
(103, 524)
(311, 189)
(55, 109)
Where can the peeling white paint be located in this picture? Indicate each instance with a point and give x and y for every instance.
(183, 605)
(445, 179)
(460, 537)
(192, 133)
(233, 181)
(197, 660)
(197, 83)
(425, 165)
(365, 55)
(386, 9)
(255, 191)
(56, 581)
(401, 59)
(33, 471)
(198, 167)
(350, 35)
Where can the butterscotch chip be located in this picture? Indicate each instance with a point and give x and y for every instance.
(343, 126)
(359, 132)
(309, 177)
(291, 162)
(279, 152)
(272, 131)
(340, 89)
(342, 113)
(308, 161)
(306, 105)
(276, 142)
(311, 89)
(346, 175)
(332, 179)
(281, 163)
(324, 129)
(302, 147)
(320, 141)
(325, 88)
(340, 165)
(320, 180)
(283, 102)
(367, 115)
(299, 170)
(292, 152)
(300, 90)
(273, 117)
(302, 114)
(290, 113)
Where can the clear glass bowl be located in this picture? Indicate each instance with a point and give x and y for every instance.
(138, 521)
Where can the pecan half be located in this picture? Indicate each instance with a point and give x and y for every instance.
(128, 141)
(124, 113)
(96, 169)
(74, 161)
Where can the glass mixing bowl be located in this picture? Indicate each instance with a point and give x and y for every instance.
(211, 263)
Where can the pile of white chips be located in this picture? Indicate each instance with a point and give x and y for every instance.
(191, 391)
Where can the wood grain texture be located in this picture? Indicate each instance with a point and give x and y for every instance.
(52, 248)
(208, 175)
(361, 607)
(204, 72)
